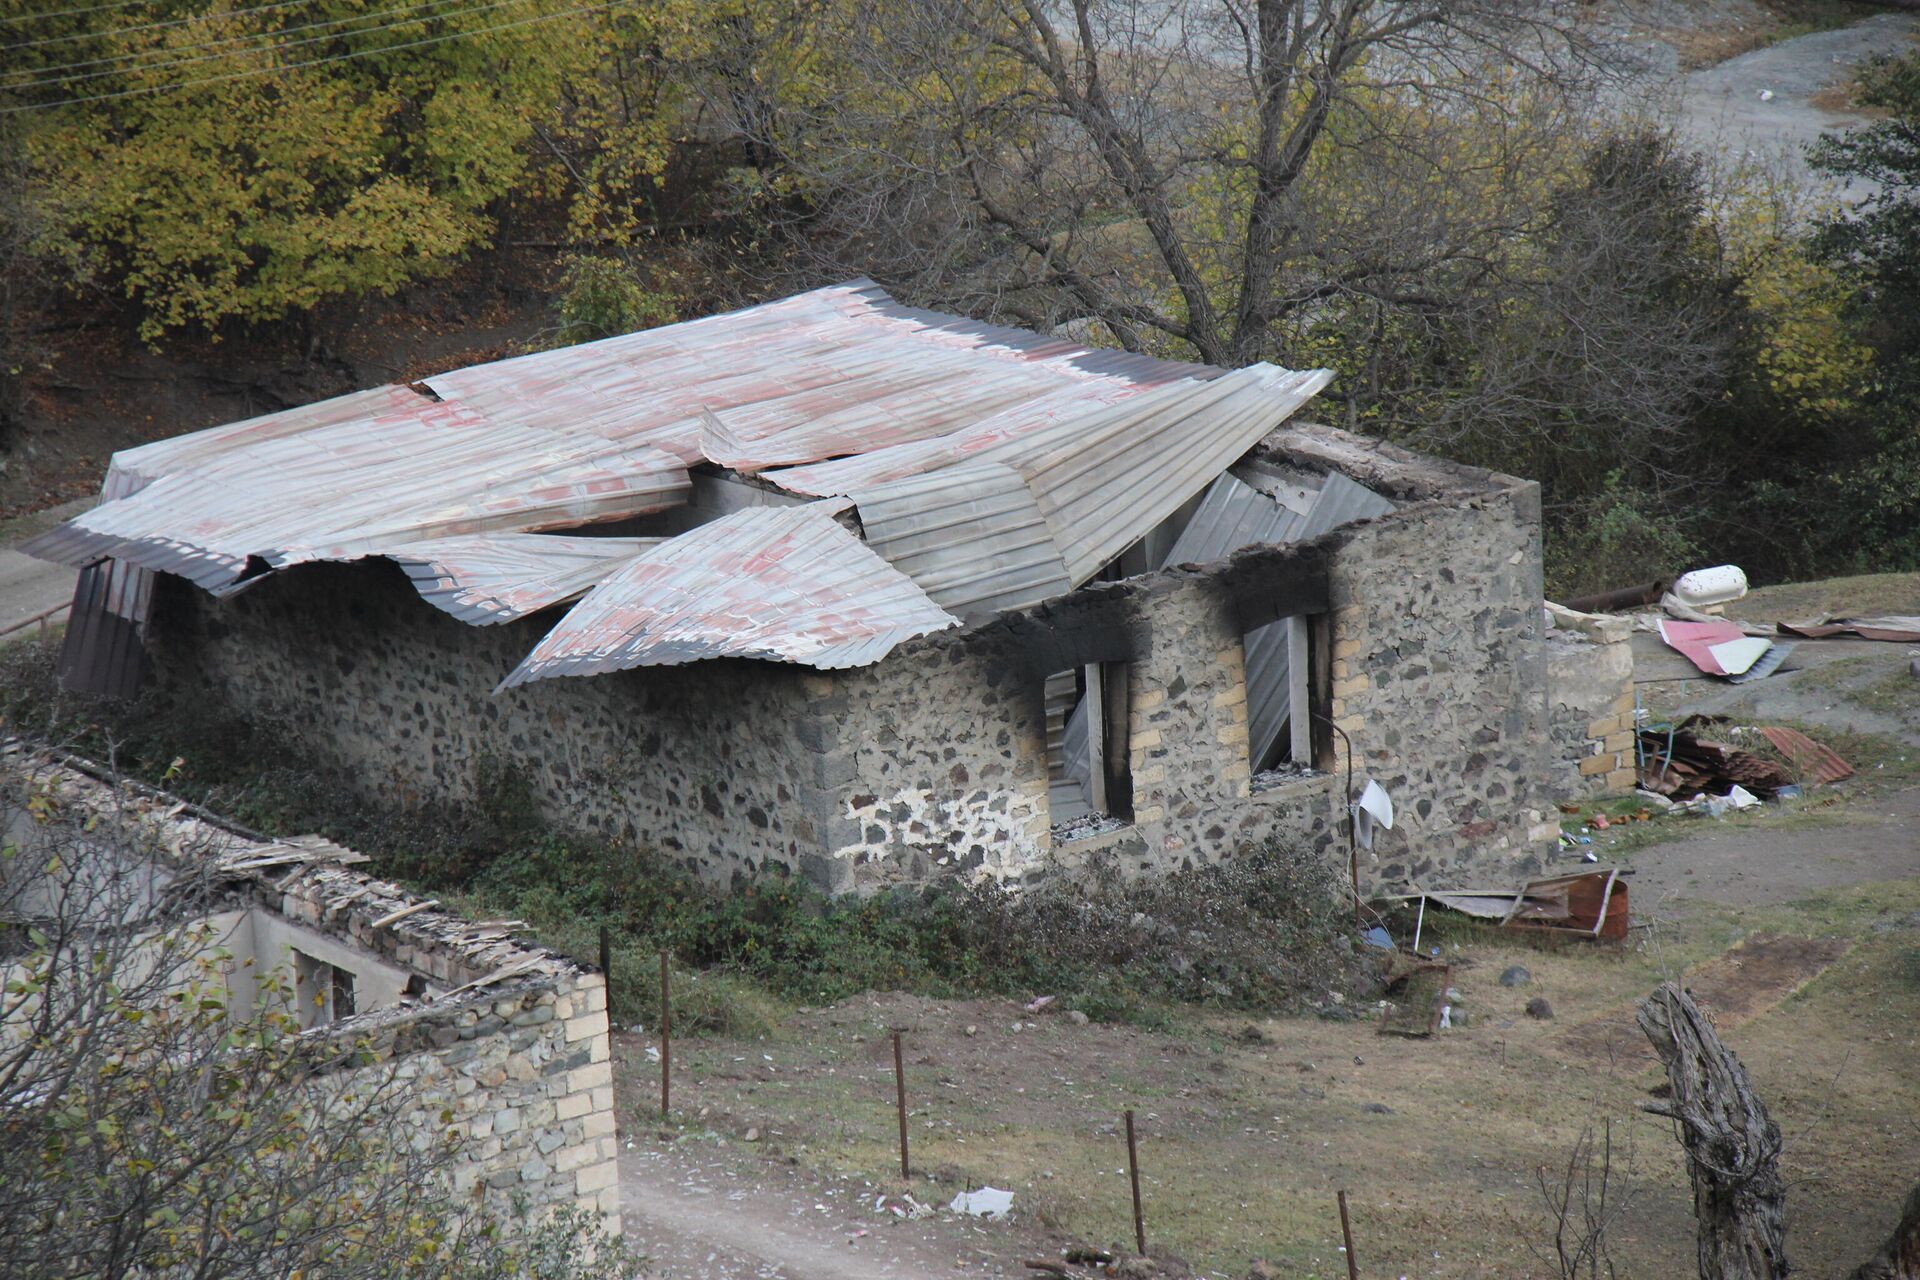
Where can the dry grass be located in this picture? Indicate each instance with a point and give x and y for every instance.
(1867, 595)
(1244, 1144)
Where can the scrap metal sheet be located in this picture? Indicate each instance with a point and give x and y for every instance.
(784, 584)
(496, 577)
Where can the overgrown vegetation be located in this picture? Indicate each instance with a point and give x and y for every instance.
(1266, 930)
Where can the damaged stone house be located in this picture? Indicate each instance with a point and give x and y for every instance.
(872, 593)
(504, 1043)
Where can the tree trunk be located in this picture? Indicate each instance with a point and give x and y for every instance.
(1733, 1149)
(1899, 1257)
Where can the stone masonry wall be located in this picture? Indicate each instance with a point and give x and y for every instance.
(711, 766)
(512, 1051)
(1438, 681)
(932, 761)
(524, 1068)
(1592, 716)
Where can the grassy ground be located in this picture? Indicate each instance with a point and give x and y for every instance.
(1246, 1137)
(1865, 595)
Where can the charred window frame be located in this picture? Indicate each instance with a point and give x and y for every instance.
(1088, 734)
(1289, 676)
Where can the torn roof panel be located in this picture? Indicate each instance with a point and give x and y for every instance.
(784, 584)
(1103, 483)
(1230, 516)
(491, 578)
(971, 536)
(348, 490)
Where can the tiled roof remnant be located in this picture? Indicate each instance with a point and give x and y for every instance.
(992, 468)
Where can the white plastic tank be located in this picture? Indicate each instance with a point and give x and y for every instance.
(1704, 587)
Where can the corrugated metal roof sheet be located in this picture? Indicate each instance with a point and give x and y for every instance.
(1104, 482)
(786, 584)
(971, 536)
(836, 370)
(496, 577)
(1231, 515)
(1070, 454)
(352, 489)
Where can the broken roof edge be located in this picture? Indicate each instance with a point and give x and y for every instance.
(1397, 472)
(483, 960)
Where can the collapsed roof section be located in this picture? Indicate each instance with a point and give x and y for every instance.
(986, 468)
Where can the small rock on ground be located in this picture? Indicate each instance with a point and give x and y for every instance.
(1516, 976)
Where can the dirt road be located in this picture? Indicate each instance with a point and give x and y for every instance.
(702, 1208)
(1764, 104)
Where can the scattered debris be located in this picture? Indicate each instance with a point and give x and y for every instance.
(1816, 763)
(1719, 648)
(1516, 976)
(1705, 588)
(1373, 809)
(1417, 1000)
(1039, 1003)
(987, 1202)
(1676, 762)
(1586, 903)
(1539, 1008)
(1377, 937)
(1901, 629)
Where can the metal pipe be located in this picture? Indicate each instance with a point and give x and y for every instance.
(900, 1103)
(1133, 1172)
(666, 1036)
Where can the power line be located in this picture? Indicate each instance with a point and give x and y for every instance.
(67, 13)
(145, 26)
(313, 62)
(136, 66)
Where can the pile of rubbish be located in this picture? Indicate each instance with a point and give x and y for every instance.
(1682, 762)
(1688, 622)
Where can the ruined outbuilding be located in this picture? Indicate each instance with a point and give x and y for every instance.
(871, 593)
(500, 1044)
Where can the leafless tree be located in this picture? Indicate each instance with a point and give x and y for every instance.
(1424, 196)
(1586, 1199)
(1733, 1154)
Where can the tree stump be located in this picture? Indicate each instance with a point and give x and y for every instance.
(1899, 1258)
(1733, 1148)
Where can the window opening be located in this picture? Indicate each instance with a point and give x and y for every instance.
(1089, 767)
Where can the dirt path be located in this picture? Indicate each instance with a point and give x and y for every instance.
(28, 586)
(701, 1208)
(1765, 103)
(1875, 838)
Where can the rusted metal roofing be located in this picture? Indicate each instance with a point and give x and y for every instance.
(1028, 515)
(785, 584)
(993, 468)
(1816, 762)
(971, 536)
(838, 370)
(488, 578)
(352, 489)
